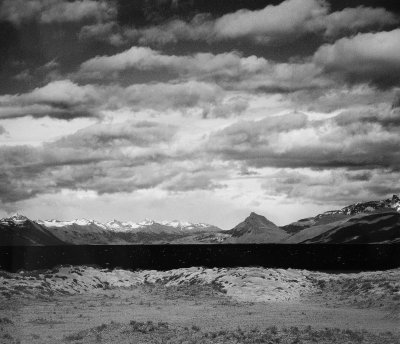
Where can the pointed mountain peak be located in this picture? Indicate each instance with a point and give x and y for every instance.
(259, 219)
(257, 228)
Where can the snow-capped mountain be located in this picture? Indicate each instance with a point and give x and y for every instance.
(16, 219)
(165, 225)
(363, 222)
(83, 231)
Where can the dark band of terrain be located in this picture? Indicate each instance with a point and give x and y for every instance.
(163, 257)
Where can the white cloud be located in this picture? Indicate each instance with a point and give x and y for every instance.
(58, 99)
(365, 57)
(291, 17)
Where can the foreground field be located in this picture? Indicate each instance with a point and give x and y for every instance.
(197, 305)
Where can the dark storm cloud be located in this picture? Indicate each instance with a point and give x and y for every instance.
(396, 101)
(50, 11)
(289, 19)
(349, 140)
(9, 40)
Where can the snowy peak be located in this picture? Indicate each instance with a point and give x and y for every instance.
(368, 207)
(16, 219)
(185, 225)
(76, 222)
(146, 222)
(130, 226)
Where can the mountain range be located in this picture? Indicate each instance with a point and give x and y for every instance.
(359, 223)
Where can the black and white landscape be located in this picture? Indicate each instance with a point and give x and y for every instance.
(373, 222)
(259, 140)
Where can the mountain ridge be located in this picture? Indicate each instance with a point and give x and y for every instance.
(361, 222)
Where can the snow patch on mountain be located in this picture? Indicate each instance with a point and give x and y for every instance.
(16, 219)
(366, 207)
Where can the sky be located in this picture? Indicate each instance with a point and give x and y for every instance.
(197, 110)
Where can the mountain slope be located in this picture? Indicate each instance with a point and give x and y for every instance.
(379, 227)
(19, 230)
(256, 229)
(391, 204)
(362, 222)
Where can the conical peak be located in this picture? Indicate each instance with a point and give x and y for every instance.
(255, 215)
(255, 218)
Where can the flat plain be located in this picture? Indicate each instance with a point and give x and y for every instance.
(199, 305)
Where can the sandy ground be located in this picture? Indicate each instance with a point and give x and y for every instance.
(243, 305)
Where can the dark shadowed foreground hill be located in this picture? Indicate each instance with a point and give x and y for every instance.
(360, 223)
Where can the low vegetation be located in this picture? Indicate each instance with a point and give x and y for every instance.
(161, 332)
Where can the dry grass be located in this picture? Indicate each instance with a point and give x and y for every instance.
(149, 332)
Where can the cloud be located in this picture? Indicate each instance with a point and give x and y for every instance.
(396, 101)
(331, 187)
(64, 99)
(364, 57)
(291, 17)
(229, 70)
(139, 134)
(61, 99)
(143, 58)
(351, 140)
(340, 96)
(3, 131)
(353, 20)
(103, 31)
(288, 20)
(56, 11)
(104, 158)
